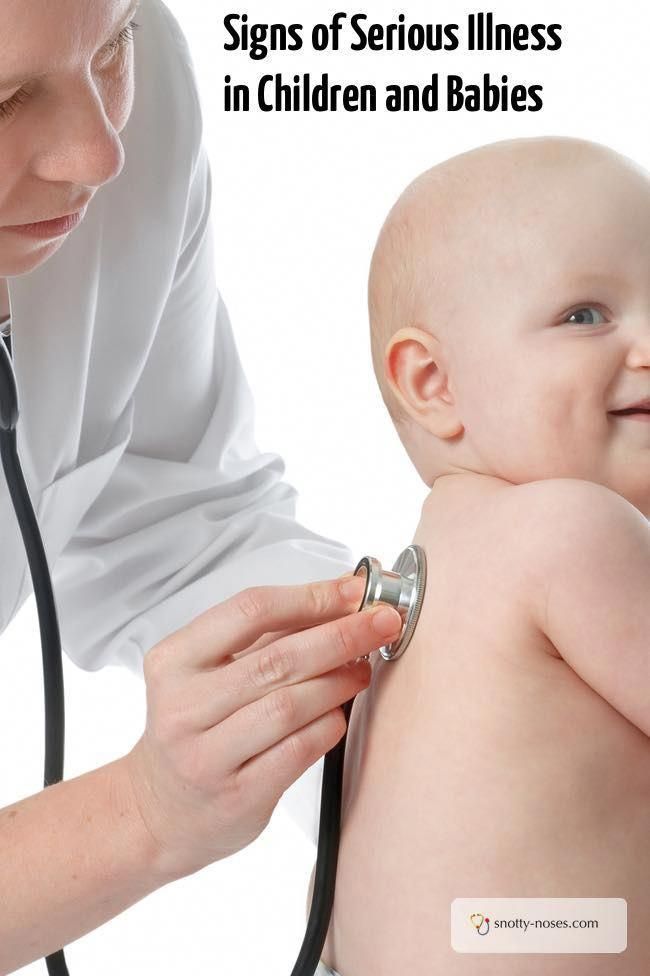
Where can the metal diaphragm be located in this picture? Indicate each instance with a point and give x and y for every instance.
(402, 588)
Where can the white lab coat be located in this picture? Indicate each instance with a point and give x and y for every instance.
(136, 422)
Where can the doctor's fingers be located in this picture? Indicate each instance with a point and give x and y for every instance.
(269, 638)
(274, 635)
(207, 698)
(297, 725)
(264, 641)
(234, 625)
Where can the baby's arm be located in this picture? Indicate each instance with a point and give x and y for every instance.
(587, 557)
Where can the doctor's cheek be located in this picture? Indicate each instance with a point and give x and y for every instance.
(118, 97)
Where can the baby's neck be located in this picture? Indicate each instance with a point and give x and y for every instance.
(452, 493)
(465, 482)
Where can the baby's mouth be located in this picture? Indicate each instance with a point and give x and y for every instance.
(641, 414)
(630, 410)
(640, 406)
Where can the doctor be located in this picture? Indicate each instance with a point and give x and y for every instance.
(155, 505)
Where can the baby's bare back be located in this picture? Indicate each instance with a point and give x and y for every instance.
(480, 764)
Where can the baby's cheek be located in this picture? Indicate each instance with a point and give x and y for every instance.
(481, 378)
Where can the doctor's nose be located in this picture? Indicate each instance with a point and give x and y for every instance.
(79, 144)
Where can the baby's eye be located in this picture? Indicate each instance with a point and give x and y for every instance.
(586, 315)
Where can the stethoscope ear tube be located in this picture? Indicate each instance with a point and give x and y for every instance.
(43, 593)
(8, 392)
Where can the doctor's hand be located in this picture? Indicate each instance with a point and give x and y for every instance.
(240, 702)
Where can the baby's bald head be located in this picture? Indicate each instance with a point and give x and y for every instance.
(476, 226)
(446, 227)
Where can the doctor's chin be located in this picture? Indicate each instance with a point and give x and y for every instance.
(21, 253)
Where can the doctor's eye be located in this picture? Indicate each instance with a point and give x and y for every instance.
(126, 34)
(585, 315)
(10, 106)
(122, 40)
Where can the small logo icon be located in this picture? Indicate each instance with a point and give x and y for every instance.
(478, 921)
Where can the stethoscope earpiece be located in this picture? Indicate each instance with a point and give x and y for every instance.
(402, 587)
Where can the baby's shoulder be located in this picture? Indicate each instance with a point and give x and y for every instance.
(513, 534)
(562, 510)
(530, 529)
(496, 554)
(522, 521)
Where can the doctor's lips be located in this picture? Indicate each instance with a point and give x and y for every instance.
(51, 228)
(637, 411)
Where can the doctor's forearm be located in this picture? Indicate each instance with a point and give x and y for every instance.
(71, 857)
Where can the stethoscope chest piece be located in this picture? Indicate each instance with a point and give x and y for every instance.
(402, 588)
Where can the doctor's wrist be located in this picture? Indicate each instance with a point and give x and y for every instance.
(153, 864)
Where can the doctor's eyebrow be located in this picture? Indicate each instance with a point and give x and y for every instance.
(21, 78)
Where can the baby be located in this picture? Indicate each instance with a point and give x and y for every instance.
(507, 753)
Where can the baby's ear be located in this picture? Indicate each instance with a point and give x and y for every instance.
(415, 371)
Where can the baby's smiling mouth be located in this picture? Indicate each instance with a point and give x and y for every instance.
(640, 414)
(640, 407)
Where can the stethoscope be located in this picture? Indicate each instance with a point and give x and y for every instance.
(402, 587)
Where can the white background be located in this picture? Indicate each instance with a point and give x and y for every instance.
(298, 202)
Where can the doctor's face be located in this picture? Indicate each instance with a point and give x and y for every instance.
(66, 92)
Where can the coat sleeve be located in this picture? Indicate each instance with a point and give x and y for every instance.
(193, 511)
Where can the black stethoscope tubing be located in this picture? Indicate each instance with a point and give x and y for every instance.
(332, 786)
(43, 592)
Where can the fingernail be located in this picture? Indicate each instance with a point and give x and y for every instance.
(351, 589)
(386, 621)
